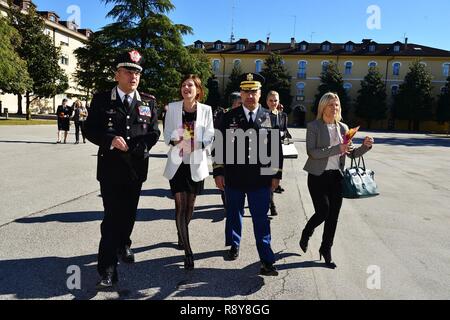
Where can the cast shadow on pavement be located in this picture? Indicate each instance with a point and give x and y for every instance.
(156, 279)
(215, 213)
(28, 142)
(409, 142)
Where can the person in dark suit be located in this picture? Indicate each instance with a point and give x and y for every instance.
(248, 162)
(125, 127)
(235, 101)
(63, 113)
(327, 150)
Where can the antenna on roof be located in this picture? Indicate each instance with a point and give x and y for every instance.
(232, 22)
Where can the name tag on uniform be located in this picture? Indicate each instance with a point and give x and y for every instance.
(145, 111)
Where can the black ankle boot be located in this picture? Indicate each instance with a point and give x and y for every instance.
(189, 262)
(326, 253)
(304, 241)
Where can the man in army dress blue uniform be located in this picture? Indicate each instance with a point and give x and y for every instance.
(248, 162)
(125, 127)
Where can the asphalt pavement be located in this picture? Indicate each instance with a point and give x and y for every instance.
(394, 246)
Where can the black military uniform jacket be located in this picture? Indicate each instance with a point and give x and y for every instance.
(248, 176)
(139, 128)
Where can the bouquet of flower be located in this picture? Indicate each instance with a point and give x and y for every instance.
(350, 134)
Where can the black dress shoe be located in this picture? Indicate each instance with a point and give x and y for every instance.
(107, 281)
(233, 253)
(268, 269)
(126, 255)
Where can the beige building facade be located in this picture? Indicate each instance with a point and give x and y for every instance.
(68, 37)
(305, 62)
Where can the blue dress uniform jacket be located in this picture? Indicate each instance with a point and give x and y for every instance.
(248, 176)
(138, 126)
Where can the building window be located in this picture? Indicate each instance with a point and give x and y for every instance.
(347, 86)
(373, 64)
(349, 47)
(300, 89)
(372, 48)
(301, 74)
(218, 46)
(199, 46)
(216, 65)
(65, 59)
(325, 65)
(348, 67)
(258, 66)
(52, 18)
(240, 46)
(446, 69)
(397, 48)
(444, 90)
(64, 40)
(394, 90)
(326, 47)
(236, 63)
(303, 47)
(260, 47)
(396, 69)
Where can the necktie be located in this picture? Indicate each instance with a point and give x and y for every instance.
(250, 118)
(126, 101)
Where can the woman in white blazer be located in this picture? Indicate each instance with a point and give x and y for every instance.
(189, 130)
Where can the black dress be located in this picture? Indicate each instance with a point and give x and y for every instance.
(182, 181)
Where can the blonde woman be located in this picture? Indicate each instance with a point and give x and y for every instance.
(326, 161)
(79, 117)
(189, 131)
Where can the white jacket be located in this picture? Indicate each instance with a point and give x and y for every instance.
(204, 134)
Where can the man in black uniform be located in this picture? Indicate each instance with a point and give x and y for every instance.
(125, 127)
(248, 162)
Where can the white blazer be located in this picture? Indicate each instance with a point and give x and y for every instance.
(203, 133)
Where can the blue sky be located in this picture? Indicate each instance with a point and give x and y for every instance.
(424, 22)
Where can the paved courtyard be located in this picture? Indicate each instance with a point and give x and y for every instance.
(394, 246)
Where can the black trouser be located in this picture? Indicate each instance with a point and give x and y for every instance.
(326, 194)
(120, 202)
(79, 125)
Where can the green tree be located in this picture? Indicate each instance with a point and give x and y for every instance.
(95, 69)
(233, 85)
(278, 79)
(371, 101)
(14, 75)
(414, 100)
(331, 81)
(443, 109)
(41, 55)
(214, 99)
(143, 24)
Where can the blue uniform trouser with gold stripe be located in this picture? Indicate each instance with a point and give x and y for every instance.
(258, 203)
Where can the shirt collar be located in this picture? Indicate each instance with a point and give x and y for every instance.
(247, 111)
(122, 94)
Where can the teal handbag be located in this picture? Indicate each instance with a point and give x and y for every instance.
(358, 182)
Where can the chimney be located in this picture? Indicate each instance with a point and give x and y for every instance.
(406, 43)
(292, 43)
(268, 42)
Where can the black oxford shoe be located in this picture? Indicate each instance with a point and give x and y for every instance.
(233, 253)
(268, 269)
(126, 255)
